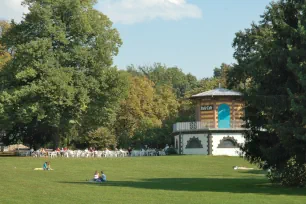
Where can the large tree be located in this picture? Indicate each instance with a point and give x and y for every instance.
(271, 65)
(172, 77)
(61, 72)
(145, 108)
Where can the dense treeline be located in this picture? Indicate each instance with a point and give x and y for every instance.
(58, 85)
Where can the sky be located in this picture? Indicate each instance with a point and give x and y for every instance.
(194, 35)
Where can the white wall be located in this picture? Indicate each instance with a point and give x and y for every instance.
(217, 137)
(202, 137)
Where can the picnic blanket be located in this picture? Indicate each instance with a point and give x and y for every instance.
(38, 169)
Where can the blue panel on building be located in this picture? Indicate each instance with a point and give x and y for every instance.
(224, 116)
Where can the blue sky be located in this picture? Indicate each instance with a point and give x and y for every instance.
(194, 44)
(194, 35)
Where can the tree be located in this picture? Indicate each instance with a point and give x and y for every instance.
(162, 75)
(271, 59)
(166, 108)
(222, 74)
(101, 138)
(165, 103)
(5, 56)
(60, 72)
(137, 110)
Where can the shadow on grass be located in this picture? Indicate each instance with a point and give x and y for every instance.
(255, 171)
(231, 185)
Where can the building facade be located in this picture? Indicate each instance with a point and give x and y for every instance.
(218, 129)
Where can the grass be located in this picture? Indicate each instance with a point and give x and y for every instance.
(168, 179)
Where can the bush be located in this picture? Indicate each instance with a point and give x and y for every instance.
(293, 175)
(171, 151)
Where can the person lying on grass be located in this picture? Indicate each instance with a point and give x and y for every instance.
(241, 168)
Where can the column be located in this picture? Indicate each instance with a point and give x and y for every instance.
(209, 144)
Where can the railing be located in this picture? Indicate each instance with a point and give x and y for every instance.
(190, 126)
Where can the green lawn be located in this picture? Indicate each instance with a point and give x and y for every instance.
(168, 179)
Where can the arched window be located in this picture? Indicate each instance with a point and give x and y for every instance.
(224, 116)
(194, 142)
(228, 142)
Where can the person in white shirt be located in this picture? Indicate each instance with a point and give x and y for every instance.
(166, 149)
(96, 176)
(103, 177)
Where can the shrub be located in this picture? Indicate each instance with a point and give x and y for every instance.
(171, 151)
(293, 175)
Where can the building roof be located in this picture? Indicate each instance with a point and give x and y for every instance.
(217, 92)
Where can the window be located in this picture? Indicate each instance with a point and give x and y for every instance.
(228, 142)
(194, 142)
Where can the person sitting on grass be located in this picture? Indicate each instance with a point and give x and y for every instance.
(47, 166)
(96, 176)
(102, 177)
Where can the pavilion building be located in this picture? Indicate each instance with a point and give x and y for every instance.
(218, 129)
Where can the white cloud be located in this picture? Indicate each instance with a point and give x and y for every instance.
(121, 11)
(12, 9)
(135, 11)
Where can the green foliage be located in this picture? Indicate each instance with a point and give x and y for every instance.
(270, 71)
(61, 71)
(161, 75)
(204, 84)
(101, 138)
(5, 56)
(171, 151)
(292, 175)
(143, 111)
(222, 74)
